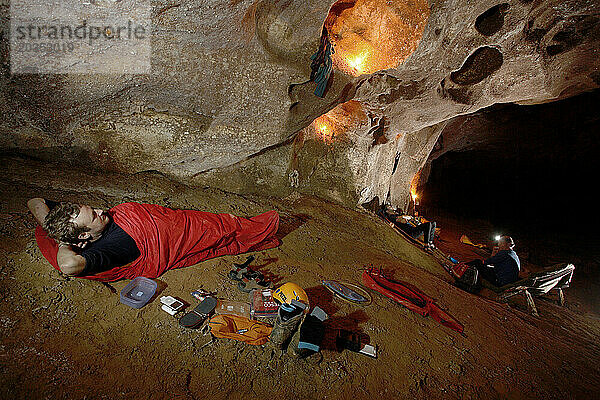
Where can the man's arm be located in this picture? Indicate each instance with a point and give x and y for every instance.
(37, 206)
(496, 259)
(68, 260)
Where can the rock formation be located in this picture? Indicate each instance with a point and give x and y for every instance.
(229, 104)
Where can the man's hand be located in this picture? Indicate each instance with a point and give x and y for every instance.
(81, 245)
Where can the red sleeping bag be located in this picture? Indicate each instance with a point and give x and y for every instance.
(169, 239)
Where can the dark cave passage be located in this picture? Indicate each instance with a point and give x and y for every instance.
(529, 170)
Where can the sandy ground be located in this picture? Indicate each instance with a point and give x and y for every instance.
(71, 338)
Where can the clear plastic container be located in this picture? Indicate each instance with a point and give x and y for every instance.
(138, 292)
(233, 307)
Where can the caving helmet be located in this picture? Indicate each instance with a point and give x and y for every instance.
(287, 292)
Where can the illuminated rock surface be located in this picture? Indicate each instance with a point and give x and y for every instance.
(227, 103)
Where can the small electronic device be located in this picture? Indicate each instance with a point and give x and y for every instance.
(170, 304)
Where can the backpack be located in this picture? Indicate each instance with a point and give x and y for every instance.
(466, 277)
(239, 328)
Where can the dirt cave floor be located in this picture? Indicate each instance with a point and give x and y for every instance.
(72, 338)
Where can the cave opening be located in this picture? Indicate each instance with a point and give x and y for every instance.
(528, 170)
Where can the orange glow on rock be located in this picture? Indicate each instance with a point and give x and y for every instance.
(373, 35)
(324, 127)
(337, 122)
(325, 130)
(357, 63)
(413, 186)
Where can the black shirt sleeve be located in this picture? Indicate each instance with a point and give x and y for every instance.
(114, 249)
(499, 258)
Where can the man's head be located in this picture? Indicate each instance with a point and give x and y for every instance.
(505, 243)
(73, 223)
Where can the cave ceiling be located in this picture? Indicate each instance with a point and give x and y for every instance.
(229, 101)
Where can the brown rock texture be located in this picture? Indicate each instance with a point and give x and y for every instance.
(228, 102)
(71, 338)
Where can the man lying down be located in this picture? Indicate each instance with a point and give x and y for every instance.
(133, 239)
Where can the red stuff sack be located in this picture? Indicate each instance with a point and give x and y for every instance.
(466, 277)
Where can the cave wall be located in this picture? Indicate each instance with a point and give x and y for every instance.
(462, 66)
(228, 105)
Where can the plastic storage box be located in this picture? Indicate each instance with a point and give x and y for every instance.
(138, 292)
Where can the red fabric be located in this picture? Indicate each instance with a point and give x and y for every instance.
(169, 239)
(459, 269)
(410, 297)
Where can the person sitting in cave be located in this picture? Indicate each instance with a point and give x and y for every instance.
(503, 267)
(427, 229)
(133, 239)
(407, 225)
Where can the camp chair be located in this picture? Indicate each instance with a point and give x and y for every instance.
(557, 277)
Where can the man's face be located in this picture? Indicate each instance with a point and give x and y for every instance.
(503, 244)
(95, 219)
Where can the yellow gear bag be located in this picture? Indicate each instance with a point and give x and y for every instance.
(239, 328)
